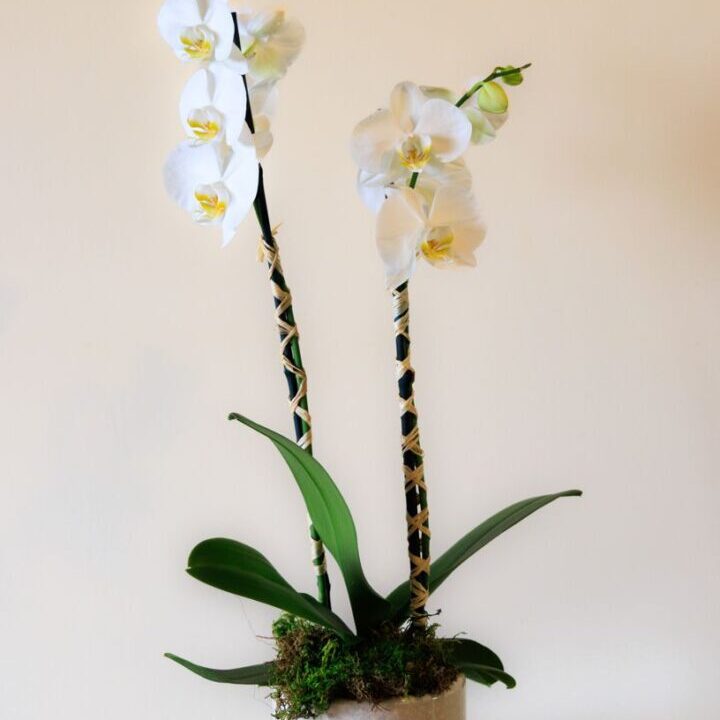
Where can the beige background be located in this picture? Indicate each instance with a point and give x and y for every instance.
(581, 352)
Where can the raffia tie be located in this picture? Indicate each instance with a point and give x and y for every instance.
(414, 474)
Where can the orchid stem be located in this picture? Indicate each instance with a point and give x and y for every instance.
(290, 345)
(497, 73)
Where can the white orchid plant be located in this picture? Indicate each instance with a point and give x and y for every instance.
(412, 174)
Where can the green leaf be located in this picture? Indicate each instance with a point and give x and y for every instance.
(332, 519)
(476, 539)
(477, 662)
(469, 650)
(251, 675)
(239, 569)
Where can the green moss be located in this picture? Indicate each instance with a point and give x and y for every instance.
(314, 667)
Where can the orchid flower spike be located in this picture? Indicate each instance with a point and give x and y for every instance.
(270, 42)
(197, 30)
(213, 104)
(445, 230)
(416, 134)
(214, 183)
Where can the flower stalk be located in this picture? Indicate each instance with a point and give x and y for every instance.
(292, 363)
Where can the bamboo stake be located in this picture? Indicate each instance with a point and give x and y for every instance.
(417, 513)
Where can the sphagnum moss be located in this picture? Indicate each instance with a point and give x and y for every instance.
(314, 667)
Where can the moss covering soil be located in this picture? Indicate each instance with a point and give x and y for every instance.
(314, 667)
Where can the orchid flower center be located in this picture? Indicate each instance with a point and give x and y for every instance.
(437, 247)
(212, 202)
(205, 124)
(197, 42)
(414, 152)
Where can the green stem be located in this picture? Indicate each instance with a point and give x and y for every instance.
(494, 75)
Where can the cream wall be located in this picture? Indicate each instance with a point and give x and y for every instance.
(581, 352)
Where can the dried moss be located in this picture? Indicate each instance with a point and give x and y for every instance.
(314, 667)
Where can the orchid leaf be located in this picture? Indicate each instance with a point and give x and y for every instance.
(250, 675)
(477, 662)
(469, 650)
(239, 569)
(332, 519)
(468, 545)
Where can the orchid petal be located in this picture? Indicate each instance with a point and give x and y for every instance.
(453, 204)
(263, 97)
(219, 19)
(186, 168)
(374, 140)
(467, 238)
(372, 188)
(241, 179)
(399, 230)
(230, 99)
(448, 127)
(406, 101)
(263, 137)
(441, 93)
(182, 13)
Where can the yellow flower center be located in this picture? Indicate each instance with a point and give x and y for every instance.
(205, 124)
(414, 152)
(212, 202)
(437, 248)
(197, 43)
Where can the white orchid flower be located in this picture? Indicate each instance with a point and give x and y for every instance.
(374, 188)
(198, 30)
(445, 230)
(263, 102)
(414, 134)
(270, 42)
(214, 183)
(484, 124)
(213, 104)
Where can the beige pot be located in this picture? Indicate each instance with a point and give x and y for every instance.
(448, 706)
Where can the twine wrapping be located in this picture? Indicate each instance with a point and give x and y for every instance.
(418, 525)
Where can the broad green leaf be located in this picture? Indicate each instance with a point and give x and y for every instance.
(239, 569)
(251, 675)
(331, 516)
(469, 650)
(476, 539)
(477, 662)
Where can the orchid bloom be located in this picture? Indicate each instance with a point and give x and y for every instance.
(445, 230)
(374, 188)
(214, 183)
(198, 30)
(485, 116)
(263, 101)
(212, 105)
(415, 134)
(270, 42)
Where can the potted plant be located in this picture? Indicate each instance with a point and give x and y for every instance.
(391, 661)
